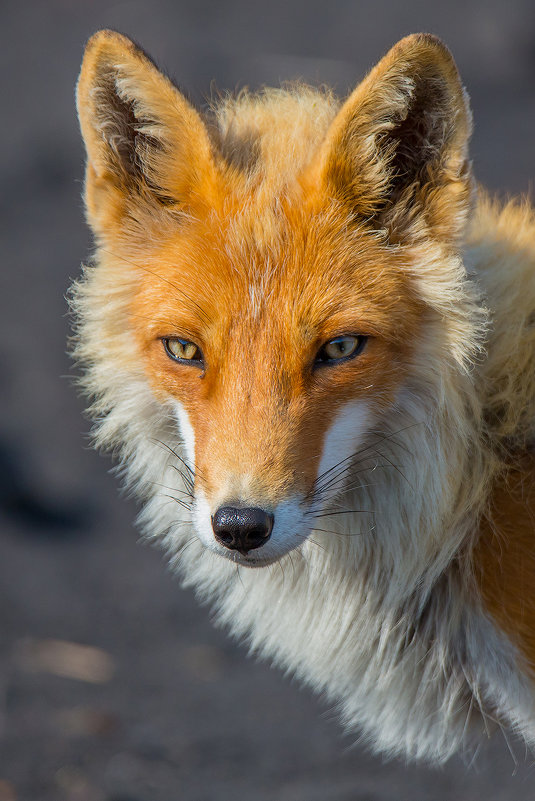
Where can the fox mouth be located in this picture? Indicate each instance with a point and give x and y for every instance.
(253, 560)
(248, 561)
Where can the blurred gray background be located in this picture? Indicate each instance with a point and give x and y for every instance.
(114, 685)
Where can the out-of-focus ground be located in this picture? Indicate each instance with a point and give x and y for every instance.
(114, 685)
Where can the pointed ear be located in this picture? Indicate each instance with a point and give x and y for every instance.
(397, 150)
(146, 145)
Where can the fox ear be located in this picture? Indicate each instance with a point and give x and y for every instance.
(397, 150)
(143, 139)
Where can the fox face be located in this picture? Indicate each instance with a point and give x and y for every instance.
(265, 282)
(278, 359)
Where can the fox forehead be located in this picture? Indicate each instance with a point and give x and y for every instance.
(298, 272)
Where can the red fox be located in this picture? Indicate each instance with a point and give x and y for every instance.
(310, 339)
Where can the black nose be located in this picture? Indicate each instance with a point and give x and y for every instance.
(242, 529)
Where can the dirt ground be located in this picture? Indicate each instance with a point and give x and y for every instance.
(114, 684)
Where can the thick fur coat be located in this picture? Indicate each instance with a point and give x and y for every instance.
(399, 576)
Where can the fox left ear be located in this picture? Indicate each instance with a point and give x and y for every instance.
(147, 147)
(397, 152)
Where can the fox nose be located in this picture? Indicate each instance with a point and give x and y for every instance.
(242, 529)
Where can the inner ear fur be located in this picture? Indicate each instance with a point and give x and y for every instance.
(143, 138)
(397, 152)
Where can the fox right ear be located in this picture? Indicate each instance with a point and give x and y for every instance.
(397, 152)
(144, 141)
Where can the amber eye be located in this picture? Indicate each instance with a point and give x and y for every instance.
(183, 351)
(340, 348)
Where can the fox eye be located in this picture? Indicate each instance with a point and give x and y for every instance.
(183, 351)
(340, 349)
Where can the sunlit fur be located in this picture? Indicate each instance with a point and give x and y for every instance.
(402, 585)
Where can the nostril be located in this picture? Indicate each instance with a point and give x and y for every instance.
(242, 529)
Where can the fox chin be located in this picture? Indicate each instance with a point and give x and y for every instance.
(309, 338)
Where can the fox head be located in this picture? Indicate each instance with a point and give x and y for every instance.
(275, 284)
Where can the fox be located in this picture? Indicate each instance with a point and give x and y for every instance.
(308, 336)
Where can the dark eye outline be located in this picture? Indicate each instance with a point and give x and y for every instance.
(198, 362)
(322, 360)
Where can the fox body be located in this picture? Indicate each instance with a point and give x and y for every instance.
(311, 342)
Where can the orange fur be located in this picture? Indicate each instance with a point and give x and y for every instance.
(504, 557)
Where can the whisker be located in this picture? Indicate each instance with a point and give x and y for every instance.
(337, 533)
(390, 437)
(179, 501)
(320, 479)
(345, 512)
(184, 547)
(351, 487)
(326, 485)
(336, 483)
(175, 454)
(238, 573)
(317, 544)
(396, 468)
(282, 571)
(173, 489)
(188, 483)
(188, 479)
(324, 530)
(317, 486)
(343, 533)
(322, 496)
(289, 555)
